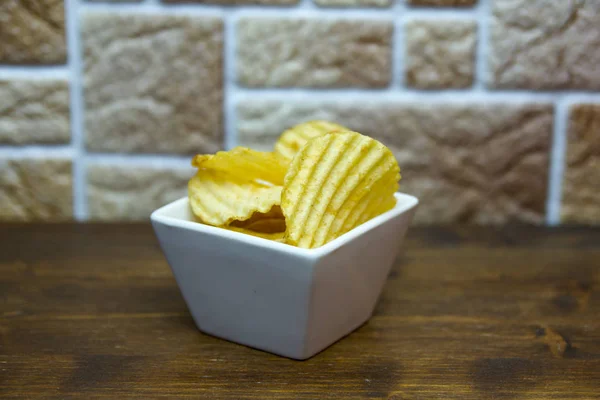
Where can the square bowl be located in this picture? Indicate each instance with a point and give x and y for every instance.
(275, 297)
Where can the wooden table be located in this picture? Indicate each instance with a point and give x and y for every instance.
(468, 313)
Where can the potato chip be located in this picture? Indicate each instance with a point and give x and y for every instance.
(217, 198)
(335, 183)
(269, 222)
(276, 236)
(266, 225)
(294, 138)
(246, 164)
(273, 213)
(377, 201)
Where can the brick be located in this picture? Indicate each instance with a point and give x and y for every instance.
(153, 83)
(581, 182)
(440, 53)
(539, 44)
(36, 189)
(32, 32)
(117, 193)
(314, 52)
(34, 112)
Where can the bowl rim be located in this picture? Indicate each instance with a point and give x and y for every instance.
(404, 203)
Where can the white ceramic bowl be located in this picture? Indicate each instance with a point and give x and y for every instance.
(286, 300)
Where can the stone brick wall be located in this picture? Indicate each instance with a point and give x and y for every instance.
(491, 106)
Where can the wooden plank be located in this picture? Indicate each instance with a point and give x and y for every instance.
(467, 313)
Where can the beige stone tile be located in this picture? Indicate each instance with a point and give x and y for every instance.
(153, 83)
(471, 163)
(581, 182)
(314, 52)
(36, 189)
(353, 3)
(539, 44)
(440, 53)
(32, 32)
(443, 3)
(118, 193)
(34, 112)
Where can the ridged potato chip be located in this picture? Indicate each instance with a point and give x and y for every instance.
(269, 222)
(294, 138)
(218, 198)
(379, 200)
(335, 183)
(321, 181)
(276, 236)
(264, 226)
(245, 163)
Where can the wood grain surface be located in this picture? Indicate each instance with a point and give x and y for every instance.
(92, 311)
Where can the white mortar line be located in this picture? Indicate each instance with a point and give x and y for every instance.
(382, 95)
(155, 7)
(434, 13)
(342, 92)
(76, 103)
(444, 17)
(308, 5)
(481, 65)
(283, 10)
(400, 7)
(37, 151)
(141, 160)
(312, 4)
(557, 162)
(316, 12)
(581, 98)
(446, 95)
(12, 72)
(229, 80)
(279, 11)
(398, 46)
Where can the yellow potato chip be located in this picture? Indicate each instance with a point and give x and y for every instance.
(276, 236)
(245, 163)
(273, 213)
(294, 138)
(273, 225)
(377, 201)
(269, 222)
(335, 183)
(217, 198)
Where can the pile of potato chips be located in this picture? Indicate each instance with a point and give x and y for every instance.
(321, 181)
